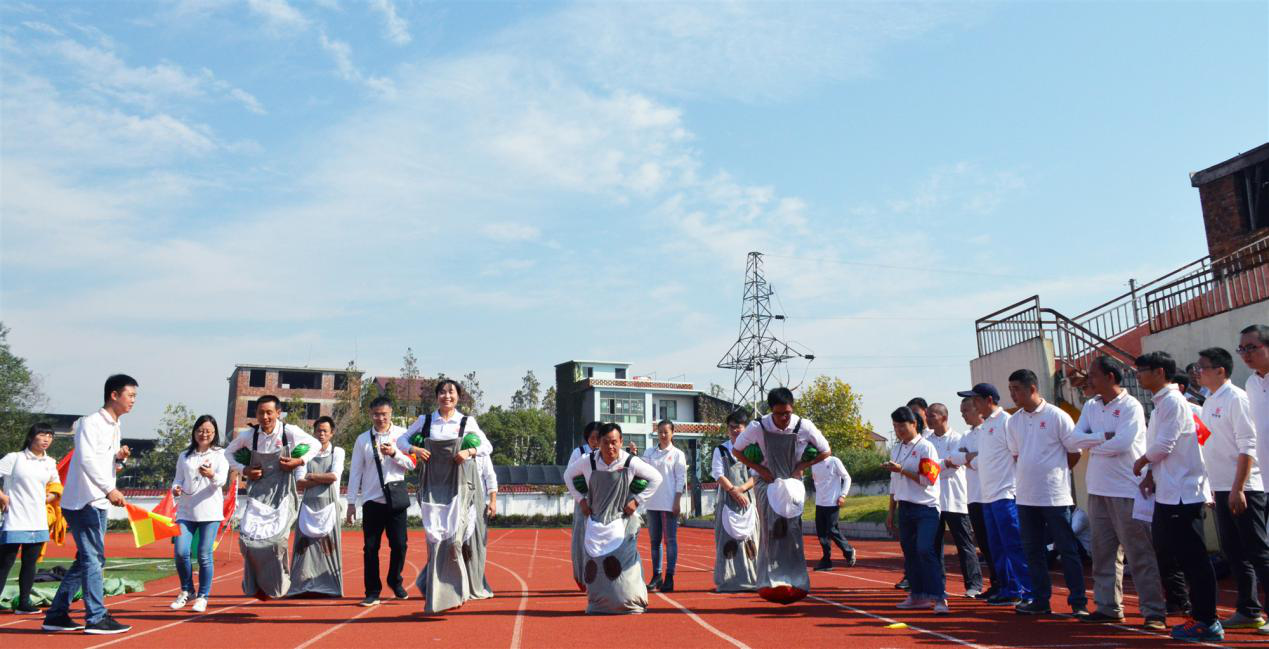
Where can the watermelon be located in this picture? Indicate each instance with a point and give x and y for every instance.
(417, 439)
(299, 451)
(242, 456)
(753, 453)
(470, 440)
(810, 453)
(579, 483)
(638, 485)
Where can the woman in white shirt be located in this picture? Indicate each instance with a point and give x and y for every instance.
(201, 472)
(27, 475)
(663, 507)
(914, 492)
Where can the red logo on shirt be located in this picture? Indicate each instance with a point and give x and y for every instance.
(1041, 424)
(1216, 412)
(1116, 413)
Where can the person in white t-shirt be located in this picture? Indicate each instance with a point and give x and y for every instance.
(662, 508)
(1253, 348)
(832, 483)
(201, 473)
(966, 456)
(954, 500)
(26, 476)
(1041, 437)
(914, 507)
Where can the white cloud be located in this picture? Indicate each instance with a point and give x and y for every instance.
(505, 231)
(959, 189)
(341, 52)
(279, 15)
(395, 28)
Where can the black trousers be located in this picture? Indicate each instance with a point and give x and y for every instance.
(1245, 547)
(979, 525)
(966, 549)
(826, 530)
(376, 519)
(1178, 541)
(26, 574)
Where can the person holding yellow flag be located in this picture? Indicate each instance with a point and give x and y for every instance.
(28, 475)
(914, 496)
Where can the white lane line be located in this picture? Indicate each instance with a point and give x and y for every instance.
(882, 618)
(335, 628)
(708, 627)
(138, 634)
(518, 630)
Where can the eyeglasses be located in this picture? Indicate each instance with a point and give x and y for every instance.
(1247, 349)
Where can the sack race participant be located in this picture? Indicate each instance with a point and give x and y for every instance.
(591, 433)
(735, 517)
(778, 448)
(478, 534)
(272, 456)
(615, 483)
(447, 443)
(316, 567)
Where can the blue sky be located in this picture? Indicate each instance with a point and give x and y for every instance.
(505, 186)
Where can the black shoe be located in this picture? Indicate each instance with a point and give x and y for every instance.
(987, 594)
(850, 559)
(25, 608)
(667, 586)
(61, 623)
(1003, 600)
(655, 583)
(1098, 617)
(106, 626)
(371, 600)
(824, 564)
(400, 593)
(903, 584)
(1033, 607)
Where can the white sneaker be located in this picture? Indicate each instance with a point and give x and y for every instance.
(179, 602)
(200, 604)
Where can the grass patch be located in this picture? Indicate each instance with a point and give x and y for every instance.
(858, 509)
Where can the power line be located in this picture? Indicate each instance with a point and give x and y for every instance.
(959, 271)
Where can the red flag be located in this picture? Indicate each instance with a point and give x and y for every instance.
(64, 466)
(167, 506)
(929, 468)
(231, 503)
(148, 527)
(1201, 430)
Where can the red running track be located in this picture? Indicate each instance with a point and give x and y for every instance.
(538, 605)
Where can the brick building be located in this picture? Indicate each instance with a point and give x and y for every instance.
(319, 388)
(1234, 195)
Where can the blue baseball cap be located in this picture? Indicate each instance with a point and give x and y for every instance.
(982, 390)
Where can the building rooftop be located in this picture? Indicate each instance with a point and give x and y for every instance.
(298, 368)
(581, 362)
(1232, 165)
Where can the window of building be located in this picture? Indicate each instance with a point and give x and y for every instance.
(588, 372)
(1253, 195)
(669, 410)
(256, 379)
(251, 408)
(622, 407)
(341, 381)
(621, 372)
(298, 380)
(312, 411)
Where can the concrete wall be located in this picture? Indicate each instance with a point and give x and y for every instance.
(995, 368)
(1184, 342)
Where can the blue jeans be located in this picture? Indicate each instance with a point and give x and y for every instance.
(206, 537)
(664, 524)
(88, 527)
(1056, 521)
(1001, 518)
(922, 553)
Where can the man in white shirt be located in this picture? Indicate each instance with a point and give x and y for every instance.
(376, 463)
(1237, 484)
(1253, 348)
(1042, 438)
(996, 478)
(1179, 483)
(1112, 426)
(954, 501)
(966, 456)
(88, 494)
(832, 483)
(663, 507)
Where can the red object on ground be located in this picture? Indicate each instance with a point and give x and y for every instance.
(781, 594)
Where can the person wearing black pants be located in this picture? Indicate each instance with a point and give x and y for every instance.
(832, 483)
(979, 526)
(26, 477)
(1178, 534)
(376, 463)
(26, 574)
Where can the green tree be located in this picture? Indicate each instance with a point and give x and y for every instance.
(294, 409)
(20, 396)
(471, 386)
(407, 401)
(834, 407)
(156, 468)
(352, 410)
(528, 396)
(548, 401)
(520, 437)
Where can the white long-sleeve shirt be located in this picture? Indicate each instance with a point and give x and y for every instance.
(908, 457)
(1041, 439)
(91, 474)
(1257, 388)
(1172, 448)
(808, 435)
(953, 490)
(973, 484)
(1227, 414)
(995, 460)
(1110, 460)
(832, 481)
(271, 442)
(445, 429)
(671, 463)
(26, 478)
(488, 477)
(363, 477)
(201, 500)
(336, 464)
(638, 469)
